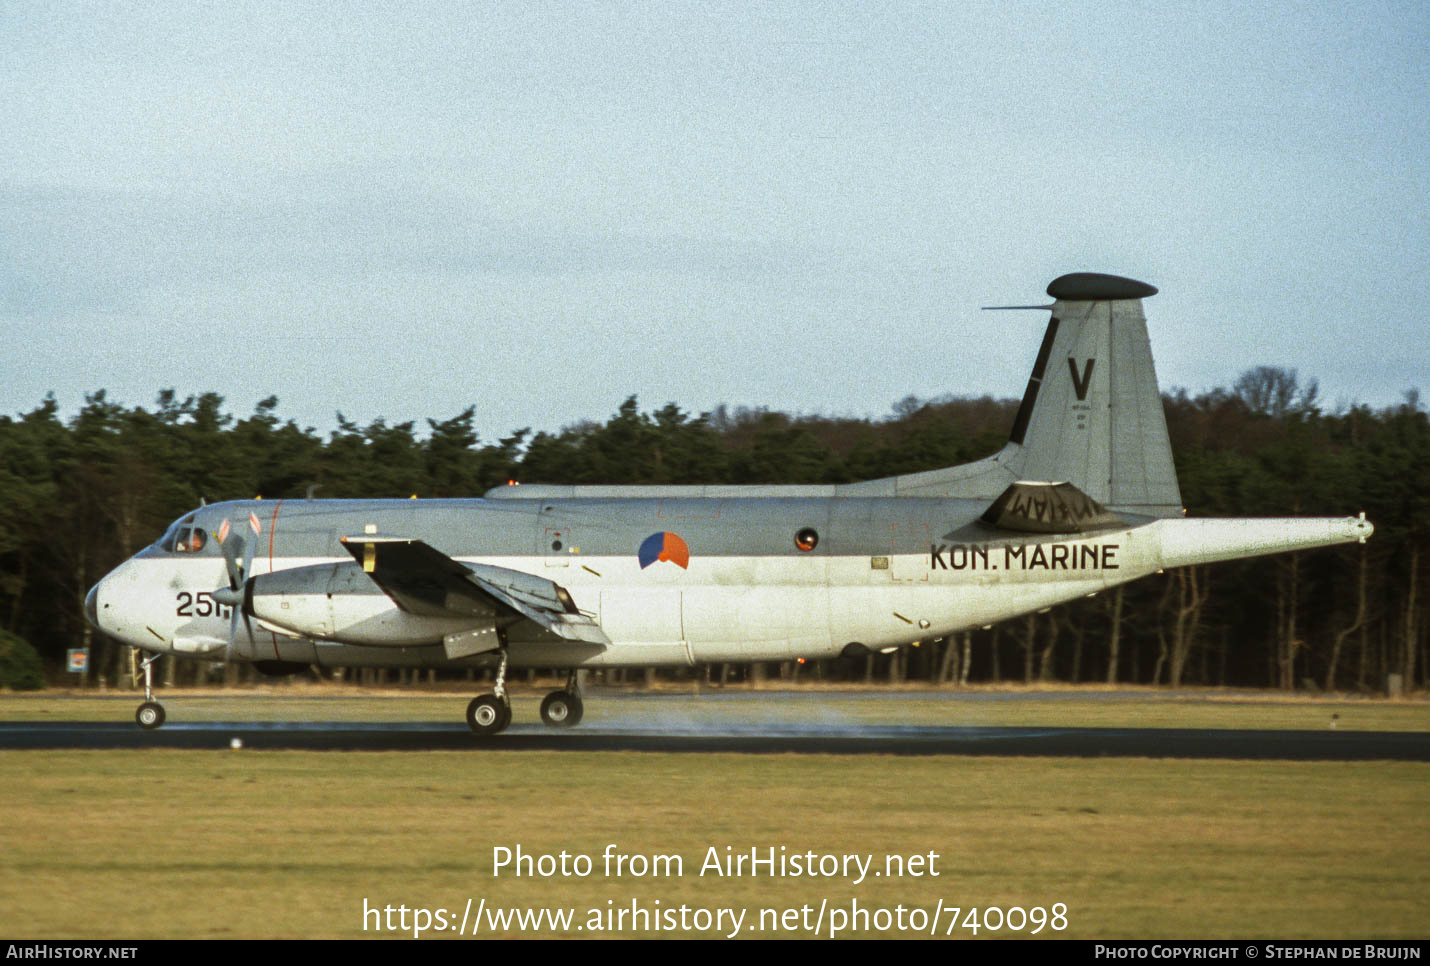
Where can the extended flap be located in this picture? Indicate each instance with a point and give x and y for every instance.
(424, 581)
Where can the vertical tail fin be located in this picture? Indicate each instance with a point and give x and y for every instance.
(1092, 414)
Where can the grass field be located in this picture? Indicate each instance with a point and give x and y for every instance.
(143, 844)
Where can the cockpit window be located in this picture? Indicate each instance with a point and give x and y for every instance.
(190, 540)
(184, 537)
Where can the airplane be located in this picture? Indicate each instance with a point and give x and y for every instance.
(1082, 498)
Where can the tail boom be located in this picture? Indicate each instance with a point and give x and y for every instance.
(1188, 542)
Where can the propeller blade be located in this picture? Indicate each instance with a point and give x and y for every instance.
(232, 632)
(235, 600)
(233, 547)
(248, 558)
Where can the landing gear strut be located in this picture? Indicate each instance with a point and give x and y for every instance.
(491, 713)
(150, 714)
(563, 709)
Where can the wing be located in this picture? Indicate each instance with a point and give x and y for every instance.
(424, 581)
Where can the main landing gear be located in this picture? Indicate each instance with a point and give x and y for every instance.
(150, 714)
(563, 709)
(489, 714)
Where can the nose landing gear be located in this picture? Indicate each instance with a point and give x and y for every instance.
(150, 714)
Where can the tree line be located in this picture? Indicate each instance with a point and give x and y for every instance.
(82, 494)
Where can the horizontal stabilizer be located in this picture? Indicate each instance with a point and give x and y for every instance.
(424, 581)
(1028, 507)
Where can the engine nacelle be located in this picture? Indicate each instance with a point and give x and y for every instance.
(338, 602)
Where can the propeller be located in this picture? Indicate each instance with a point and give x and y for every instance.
(235, 546)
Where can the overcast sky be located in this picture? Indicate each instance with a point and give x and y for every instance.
(398, 211)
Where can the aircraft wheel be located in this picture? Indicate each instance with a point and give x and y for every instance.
(561, 709)
(150, 715)
(488, 714)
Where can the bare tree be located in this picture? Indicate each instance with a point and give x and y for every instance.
(1272, 391)
(1193, 589)
(1355, 625)
(1115, 639)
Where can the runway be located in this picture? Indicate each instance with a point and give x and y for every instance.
(1328, 745)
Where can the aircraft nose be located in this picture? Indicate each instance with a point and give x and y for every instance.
(91, 607)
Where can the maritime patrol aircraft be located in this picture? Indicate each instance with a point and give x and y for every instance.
(1082, 497)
